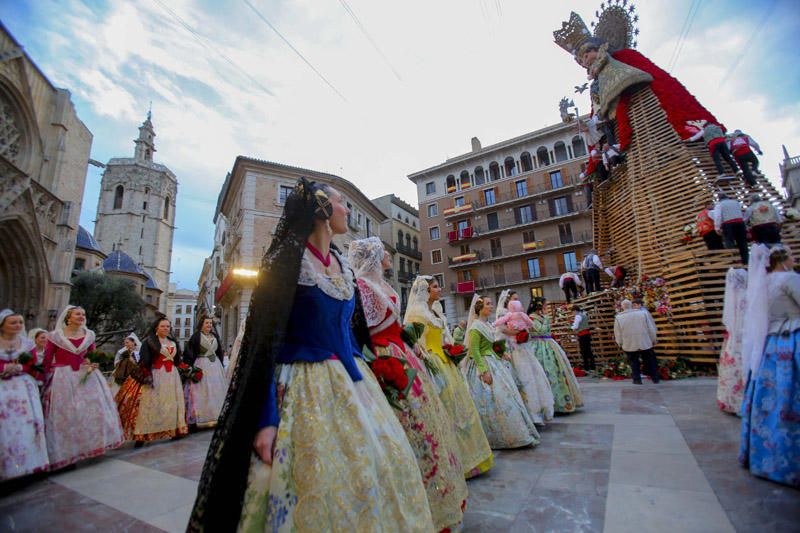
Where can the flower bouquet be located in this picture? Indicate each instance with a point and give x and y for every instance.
(196, 375)
(394, 377)
(104, 361)
(190, 373)
(455, 352)
(27, 361)
(522, 337)
(499, 347)
(579, 372)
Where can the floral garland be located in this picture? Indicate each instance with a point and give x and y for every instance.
(653, 293)
(619, 369)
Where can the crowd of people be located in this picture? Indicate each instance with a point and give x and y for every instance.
(58, 408)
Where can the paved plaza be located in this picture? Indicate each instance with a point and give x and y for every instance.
(636, 458)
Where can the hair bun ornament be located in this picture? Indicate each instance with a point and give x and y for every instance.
(324, 209)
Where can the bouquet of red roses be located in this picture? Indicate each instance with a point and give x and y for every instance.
(455, 352)
(499, 347)
(190, 373)
(522, 337)
(394, 377)
(196, 374)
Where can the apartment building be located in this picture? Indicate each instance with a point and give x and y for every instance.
(511, 215)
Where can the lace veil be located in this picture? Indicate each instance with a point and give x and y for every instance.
(418, 309)
(365, 257)
(58, 337)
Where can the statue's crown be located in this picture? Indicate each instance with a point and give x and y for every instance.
(573, 34)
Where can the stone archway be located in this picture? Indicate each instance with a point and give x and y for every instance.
(22, 272)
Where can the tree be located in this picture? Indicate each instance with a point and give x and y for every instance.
(113, 306)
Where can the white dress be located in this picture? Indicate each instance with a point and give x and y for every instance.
(204, 399)
(23, 447)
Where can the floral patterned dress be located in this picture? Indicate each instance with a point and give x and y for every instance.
(770, 445)
(730, 384)
(427, 425)
(474, 449)
(342, 461)
(23, 448)
(566, 392)
(504, 417)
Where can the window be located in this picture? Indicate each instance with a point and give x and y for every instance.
(283, 193)
(467, 302)
(556, 180)
(499, 274)
(440, 280)
(510, 167)
(528, 236)
(480, 176)
(178, 322)
(433, 210)
(526, 162)
(494, 171)
(561, 151)
(80, 264)
(459, 201)
(491, 221)
(369, 228)
(496, 247)
(560, 206)
(430, 187)
(119, 192)
(399, 238)
(166, 208)
(536, 292)
(462, 225)
(148, 298)
(144, 205)
(541, 155)
(416, 243)
(570, 261)
(434, 233)
(402, 265)
(488, 197)
(359, 219)
(451, 183)
(416, 267)
(141, 233)
(178, 309)
(533, 268)
(524, 214)
(565, 233)
(349, 214)
(464, 180)
(522, 188)
(408, 241)
(578, 146)
(436, 256)
(187, 333)
(464, 249)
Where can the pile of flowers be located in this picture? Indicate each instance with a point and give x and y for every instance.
(653, 293)
(616, 369)
(456, 352)
(689, 232)
(619, 369)
(579, 372)
(190, 373)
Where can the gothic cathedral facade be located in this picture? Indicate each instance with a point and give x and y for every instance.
(136, 209)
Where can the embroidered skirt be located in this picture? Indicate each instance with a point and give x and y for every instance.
(730, 384)
(81, 420)
(533, 383)
(23, 448)
(153, 412)
(566, 392)
(204, 399)
(504, 417)
(431, 433)
(342, 461)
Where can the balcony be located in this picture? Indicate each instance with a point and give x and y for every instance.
(460, 234)
(515, 250)
(516, 278)
(457, 210)
(464, 258)
(463, 287)
(508, 222)
(405, 277)
(409, 251)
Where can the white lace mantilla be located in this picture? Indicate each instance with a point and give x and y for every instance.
(340, 287)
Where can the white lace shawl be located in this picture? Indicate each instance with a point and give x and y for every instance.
(339, 287)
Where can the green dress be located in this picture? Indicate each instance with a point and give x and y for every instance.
(566, 392)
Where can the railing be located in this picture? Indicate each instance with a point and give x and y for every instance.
(405, 277)
(460, 234)
(410, 252)
(507, 221)
(463, 287)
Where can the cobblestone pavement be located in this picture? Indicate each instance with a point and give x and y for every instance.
(637, 458)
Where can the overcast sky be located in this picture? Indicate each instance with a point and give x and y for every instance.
(439, 73)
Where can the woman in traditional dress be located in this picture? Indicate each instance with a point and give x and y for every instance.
(427, 425)
(81, 420)
(23, 448)
(330, 455)
(566, 392)
(151, 402)
(125, 362)
(771, 359)
(204, 399)
(730, 385)
(39, 338)
(424, 308)
(490, 378)
(533, 382)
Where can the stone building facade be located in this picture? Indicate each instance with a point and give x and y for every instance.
(790, 177)
(251, 201)
(88, 255)
(511, 215)
(182, 312)
(400, 232)
(44, 153)
(136, 208)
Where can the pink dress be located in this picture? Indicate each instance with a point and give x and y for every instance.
(81, 418)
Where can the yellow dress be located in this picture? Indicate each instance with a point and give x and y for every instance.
(476, 455)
